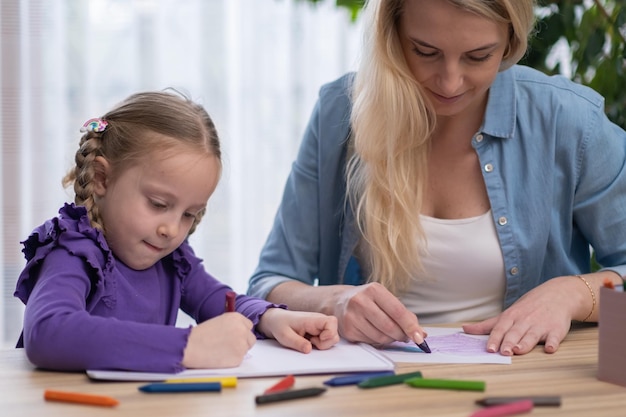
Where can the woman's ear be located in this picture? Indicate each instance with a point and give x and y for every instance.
(102, 169)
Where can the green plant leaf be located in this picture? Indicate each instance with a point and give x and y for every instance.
(595, 44)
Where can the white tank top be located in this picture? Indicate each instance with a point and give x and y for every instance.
(463, 278)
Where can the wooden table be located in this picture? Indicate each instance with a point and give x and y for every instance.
(570, 373)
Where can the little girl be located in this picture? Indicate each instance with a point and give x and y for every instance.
(105, 279)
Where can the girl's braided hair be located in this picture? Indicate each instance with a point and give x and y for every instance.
(126, 135)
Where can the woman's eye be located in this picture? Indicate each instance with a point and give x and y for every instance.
(480, 58)
(424, 54)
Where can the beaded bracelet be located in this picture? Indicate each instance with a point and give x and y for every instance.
(593, 297)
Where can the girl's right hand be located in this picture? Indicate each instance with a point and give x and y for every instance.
(221, 342)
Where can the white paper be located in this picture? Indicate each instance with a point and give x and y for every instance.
(448, 345)
(268, 358)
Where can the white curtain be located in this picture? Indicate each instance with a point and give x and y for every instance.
(256, 66)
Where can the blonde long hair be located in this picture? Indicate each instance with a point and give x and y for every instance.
(392, 124)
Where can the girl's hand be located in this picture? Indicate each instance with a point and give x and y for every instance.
(299, 330)
(221, 342)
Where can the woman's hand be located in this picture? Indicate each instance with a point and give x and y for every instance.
(543, 315)
(365, 313)
(299, 330)
(370, 313)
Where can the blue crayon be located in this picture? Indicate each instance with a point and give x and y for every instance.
(182, 387)
(354, 379)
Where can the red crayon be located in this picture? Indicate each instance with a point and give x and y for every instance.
(230, 301)
(285, 383)
(517, 407)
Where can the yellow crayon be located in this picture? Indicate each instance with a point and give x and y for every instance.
(226, 381)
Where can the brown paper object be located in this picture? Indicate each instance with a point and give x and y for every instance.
(612, 337)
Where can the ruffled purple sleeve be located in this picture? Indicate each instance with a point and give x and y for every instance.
(71, 231)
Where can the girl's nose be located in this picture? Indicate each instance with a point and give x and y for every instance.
(168, 229)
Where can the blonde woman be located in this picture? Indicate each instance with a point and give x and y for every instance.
(445, 183)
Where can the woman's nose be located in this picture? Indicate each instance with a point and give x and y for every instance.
(451, 79)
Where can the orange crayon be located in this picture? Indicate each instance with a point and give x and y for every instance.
(608, 283)
(79, 398)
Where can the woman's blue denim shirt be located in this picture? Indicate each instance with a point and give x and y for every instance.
(553, 164)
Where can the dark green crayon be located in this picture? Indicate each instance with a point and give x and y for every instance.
(383, 381)
(538, 400)
(289, 394)
(446, 384)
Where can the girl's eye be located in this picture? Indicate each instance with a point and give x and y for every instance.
(189, 215)
(424, 54)
(157, 204)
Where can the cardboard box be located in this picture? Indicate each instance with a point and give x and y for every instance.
(612, 339)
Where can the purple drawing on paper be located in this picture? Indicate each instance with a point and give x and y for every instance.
(456, 344)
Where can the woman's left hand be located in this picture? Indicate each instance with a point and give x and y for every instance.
(543, 315)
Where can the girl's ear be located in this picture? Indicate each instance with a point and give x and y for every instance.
(102, 169)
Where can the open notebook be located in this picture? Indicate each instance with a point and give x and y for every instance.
(268, 358)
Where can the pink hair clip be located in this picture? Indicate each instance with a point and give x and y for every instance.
(94, 125)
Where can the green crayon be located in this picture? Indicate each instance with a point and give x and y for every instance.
(446, 384)
(383, 381)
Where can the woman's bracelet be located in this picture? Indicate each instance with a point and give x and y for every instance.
(593, 297)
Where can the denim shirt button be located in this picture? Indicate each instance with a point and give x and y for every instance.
(514, 270)
(488, 167)
(502, 221)
(479, 138)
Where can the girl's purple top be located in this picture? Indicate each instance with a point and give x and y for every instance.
(85, 309)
